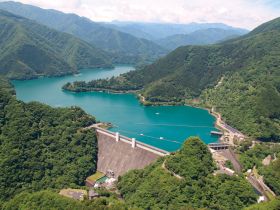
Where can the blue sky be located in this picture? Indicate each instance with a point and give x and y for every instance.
(238, 13)
(273, 3)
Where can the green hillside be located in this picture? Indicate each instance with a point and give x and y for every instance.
(43, 147)
(7, 84)
(94, 33)
(252, 79)
(265, 27)
(227, 38)
(49, 200)
(175, 41)
(29, 49)
(156, 188)
(253, 158)
(200, 37)
(270, 205)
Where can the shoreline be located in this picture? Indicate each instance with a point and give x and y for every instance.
(104, 91)
(140, 100)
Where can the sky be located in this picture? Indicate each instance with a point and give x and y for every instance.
(237, 13)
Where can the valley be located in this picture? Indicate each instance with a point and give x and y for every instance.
(189, 75)
(188, 112)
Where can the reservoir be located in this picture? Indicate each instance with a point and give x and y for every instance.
(165, 127)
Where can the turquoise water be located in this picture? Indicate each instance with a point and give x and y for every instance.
(103, 179)
(256, 191)
(172, 123)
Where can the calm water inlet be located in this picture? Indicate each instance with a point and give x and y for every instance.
(165, 127)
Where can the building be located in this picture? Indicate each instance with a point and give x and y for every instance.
(92, 195)
(110, 174)
(229, 170)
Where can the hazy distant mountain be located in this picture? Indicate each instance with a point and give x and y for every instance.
(200, 37)
(234, 36)
(130, 30)
(177, 40)
(106, 38)
(163, 30)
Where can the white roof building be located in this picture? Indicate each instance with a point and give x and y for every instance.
(229, 170)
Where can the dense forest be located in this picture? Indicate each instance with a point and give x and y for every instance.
(156, 188)
(108, 39)
(272, 176)
(253, 159)
(191, 73)
(51, 200)
(270, 205)
(43, 147)
(7, 84)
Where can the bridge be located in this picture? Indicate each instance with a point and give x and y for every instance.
(121, 154)
(215, 133)
(218, 146)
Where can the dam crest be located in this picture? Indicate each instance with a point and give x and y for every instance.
(120, 154)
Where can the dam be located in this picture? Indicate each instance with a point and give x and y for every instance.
(120, 154)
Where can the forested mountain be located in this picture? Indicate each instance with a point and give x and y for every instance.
(252, 79)
(29, 49)
(200, 37)
(94, 33)
(227, 38)
(156, 188)
(265, 27)
(7, 84)
(43, 147)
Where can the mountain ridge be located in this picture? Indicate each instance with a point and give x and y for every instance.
(29, 49)
(200, 37)
(162, 30)
(92, 32)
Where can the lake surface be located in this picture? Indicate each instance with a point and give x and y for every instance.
(147, 124)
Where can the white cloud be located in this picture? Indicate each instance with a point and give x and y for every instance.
(52, 4)
(239, 13)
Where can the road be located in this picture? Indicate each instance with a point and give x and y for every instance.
(220, 124)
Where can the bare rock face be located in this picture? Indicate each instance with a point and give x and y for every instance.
(266, 161)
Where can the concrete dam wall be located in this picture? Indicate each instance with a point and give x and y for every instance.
(121, 154)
